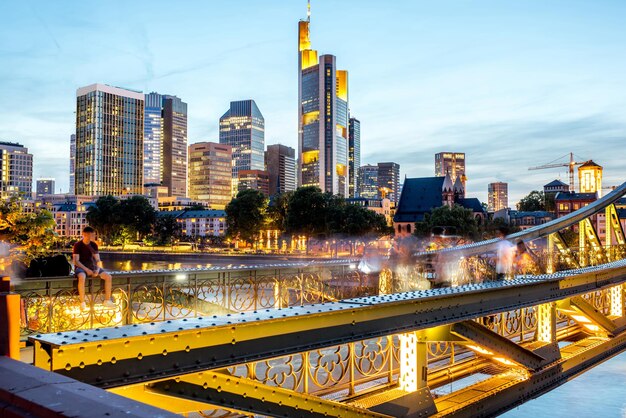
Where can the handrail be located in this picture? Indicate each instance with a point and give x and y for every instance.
(538, 231)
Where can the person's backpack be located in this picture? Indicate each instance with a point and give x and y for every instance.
(53, 266)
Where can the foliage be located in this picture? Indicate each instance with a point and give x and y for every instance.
(32, 233)
(245, 215)
(457, 217)
(307, 212)
(534, 201)
(121, 221)
(277, 211)
(166, 228)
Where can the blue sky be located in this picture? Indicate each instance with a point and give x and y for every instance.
(513, 84)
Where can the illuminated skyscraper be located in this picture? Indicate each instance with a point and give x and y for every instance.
(389, 181)
(72, 162)
(322, 118)
(165, 143)
(210, 173)
(354, 155)
(368, 181)
(16, 170)
(452, 163)
(109, 141)
(243, 128)
(497, 196)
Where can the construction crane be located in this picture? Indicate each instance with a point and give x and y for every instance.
(571, 164)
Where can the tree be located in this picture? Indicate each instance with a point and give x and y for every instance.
(104, 217)
(166, 228)
(307, 213)
(532, 202)
(457, 217)
(137, 214)
(245, 215)
(129, 218)
(359, 221)
(277, 211)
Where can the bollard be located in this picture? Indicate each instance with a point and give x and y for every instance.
(9, 320)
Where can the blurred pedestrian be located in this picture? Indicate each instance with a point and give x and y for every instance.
(505, 253)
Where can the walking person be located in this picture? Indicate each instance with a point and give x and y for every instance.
(87, 263)
(505, 252)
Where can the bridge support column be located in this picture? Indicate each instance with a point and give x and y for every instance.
(616, 294)
(582, 241)
(413, 363)
(546, 322)
(9, 320)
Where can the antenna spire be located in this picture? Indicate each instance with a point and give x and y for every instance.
(308, 11)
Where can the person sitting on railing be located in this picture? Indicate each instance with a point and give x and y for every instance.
(524, 263)
(87, 263)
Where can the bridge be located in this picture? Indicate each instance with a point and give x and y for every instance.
(325, 340)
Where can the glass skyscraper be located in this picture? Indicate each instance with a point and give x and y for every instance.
(243, 128)
(354, 155)
(280, 161)
(368, 181)
(388, 181)
(109, 141)
(322, 118)
(452, 163)
(210, 173)
(165, 143)
(16, 170)
(72, 163)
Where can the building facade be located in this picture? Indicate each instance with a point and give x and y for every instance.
(497, 196)
(280, 163)
(243, 128)
(590, 178)
(210, 173)
(199, 223)
(165, 143)
(109, 141)
(354, 155)
(72, 163)
(322, 118)
(389, 181)
(254, 179)
(451, 163)
(44, 187)
(16, 170)
(368, 181)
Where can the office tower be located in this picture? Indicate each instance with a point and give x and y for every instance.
(322, 118)
(389, 181)
(368, 181)
(243, 128)
(109, 141)
(254, 179)
(72, 162)
(590, 178)
(16, 170)
(452, 163)
(210, 173)
(497, 196)
(354, 155)
(280, 163)
(45, 187)
(165, 143)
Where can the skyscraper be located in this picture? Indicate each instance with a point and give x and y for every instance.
(45, 187)
(322, 118)
(254, 179)
(109, 141)
(452, 163)
(210, 173)
(497, 196)
(388, 181)
(280, 162)
(165, 143)
(368, 181)
(354, 155)
(72, 163)
(243, 128)
(16, 170)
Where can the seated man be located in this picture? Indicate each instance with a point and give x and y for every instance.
(87, 263)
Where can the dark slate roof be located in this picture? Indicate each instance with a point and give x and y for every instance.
(186, 214)
(575, 196)
(473, 204)
(621, 213)
(516, 214)
(65, 207)
(419, 196)
(590, 163)
(555, 183)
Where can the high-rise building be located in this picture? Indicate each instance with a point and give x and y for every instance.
(389, 181)
(210, 173)
(165, 143)
(368, 181)
(451, 163)
(45, 187)
(254, 179)
(497, 196)
(109, 141)
(72, 163)
(16, 170)
(243, 128)
(322, 118)
(354, 155)
(280, 163)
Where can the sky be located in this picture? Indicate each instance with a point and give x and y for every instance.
(512, 84)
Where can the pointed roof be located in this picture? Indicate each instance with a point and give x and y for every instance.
(555, 183)
(458, 184)
(590, 163)
(447, 183)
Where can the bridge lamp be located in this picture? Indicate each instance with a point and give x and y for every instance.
(180, 276)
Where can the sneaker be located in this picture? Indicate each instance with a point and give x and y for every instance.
(83, 306)
(109, 304)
